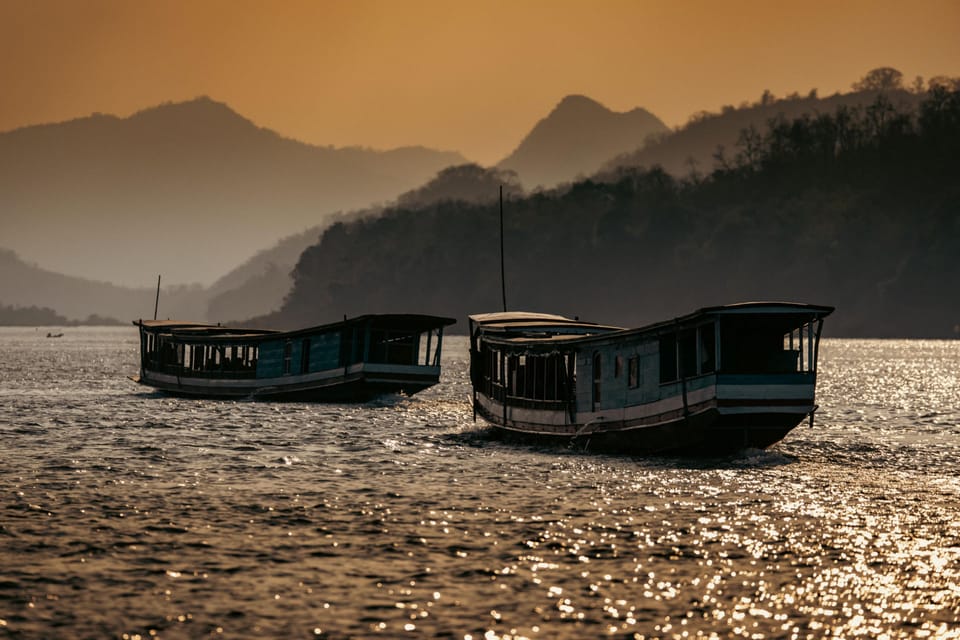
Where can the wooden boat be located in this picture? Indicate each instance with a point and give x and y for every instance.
(719, 379)
(353, 360)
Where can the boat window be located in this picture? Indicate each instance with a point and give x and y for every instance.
(708, 348)
(554, 377)
(346, 344)
(778, 344)
(688, 353)
(305, 356)
(227, 357)
(428, 350)
(390, 347)
(497, 386)
(668, 358)
(597, 379)
(536, 378)
(617, 366)
(514, 374)
(287, 354)
(523, 375)
(633, 372)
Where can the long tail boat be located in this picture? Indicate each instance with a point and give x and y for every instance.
(353, 360)
(719, 379)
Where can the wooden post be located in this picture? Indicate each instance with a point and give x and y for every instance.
(503, 282)
(156, 302)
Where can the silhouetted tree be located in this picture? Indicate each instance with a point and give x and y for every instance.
(750, 143)
(30, 316)
(944, 82)
(880, 79)
(466, 183)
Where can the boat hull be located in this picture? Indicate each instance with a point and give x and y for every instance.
(706, 433)
(708, 427)
(356, 385)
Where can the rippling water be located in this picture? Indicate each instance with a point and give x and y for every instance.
(125, 513)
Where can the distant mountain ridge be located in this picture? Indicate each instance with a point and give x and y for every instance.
(576, 138)
(185, 189)
(26, 285)
(692, 147)
(186, 186)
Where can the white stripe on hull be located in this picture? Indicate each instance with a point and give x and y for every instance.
(236, 386)
(757, 399)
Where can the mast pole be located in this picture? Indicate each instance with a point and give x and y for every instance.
(503, 281)
(156, 302)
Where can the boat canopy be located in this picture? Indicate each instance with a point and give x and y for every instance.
(542, 332)
(769, 310)
(525, 331)
(507, 317)
(205, 332)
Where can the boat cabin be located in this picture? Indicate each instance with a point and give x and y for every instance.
(363, 356)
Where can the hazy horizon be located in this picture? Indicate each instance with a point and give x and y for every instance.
(472, 78)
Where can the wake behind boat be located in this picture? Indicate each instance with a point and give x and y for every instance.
(354, 360)
(718, 379)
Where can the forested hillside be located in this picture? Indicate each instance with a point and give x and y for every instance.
(859, 208)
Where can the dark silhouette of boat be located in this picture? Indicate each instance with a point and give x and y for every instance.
(719, 379)
(353, 360)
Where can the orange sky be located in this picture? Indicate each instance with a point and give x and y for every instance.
(472, 76)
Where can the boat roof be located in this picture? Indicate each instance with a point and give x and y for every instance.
(518, 316)
(198, 331)
(527, 320)
(770, 308)
(528, 329)
(542, 330)
(173, 324)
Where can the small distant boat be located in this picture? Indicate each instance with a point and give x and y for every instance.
(719, 379)
(54, 335)
(354, 360)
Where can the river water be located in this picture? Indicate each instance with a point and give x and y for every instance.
(128, 514)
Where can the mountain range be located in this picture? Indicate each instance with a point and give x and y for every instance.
(577, 137)
(189, 190)
(194, 188)
(200, 194)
